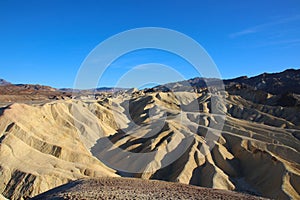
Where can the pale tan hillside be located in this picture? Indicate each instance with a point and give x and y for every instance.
(40, 149)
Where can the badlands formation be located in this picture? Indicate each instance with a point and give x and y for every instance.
(248, 142)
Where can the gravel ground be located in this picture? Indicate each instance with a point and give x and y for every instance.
(130, 188)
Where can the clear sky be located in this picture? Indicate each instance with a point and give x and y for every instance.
(45, 41)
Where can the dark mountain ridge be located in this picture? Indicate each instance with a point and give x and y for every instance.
(4, 82)
(287, 81)
(284, 82)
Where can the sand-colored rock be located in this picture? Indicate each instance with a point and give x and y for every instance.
(41, 149)
(2, 197)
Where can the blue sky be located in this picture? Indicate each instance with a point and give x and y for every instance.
(46, 41)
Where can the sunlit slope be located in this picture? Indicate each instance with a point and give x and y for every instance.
(41, 149)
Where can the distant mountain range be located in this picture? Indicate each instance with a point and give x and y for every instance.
(284, 85)
(274, 83)
(100, 89)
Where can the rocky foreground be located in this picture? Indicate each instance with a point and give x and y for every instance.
(125, 188)
(46, 144)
